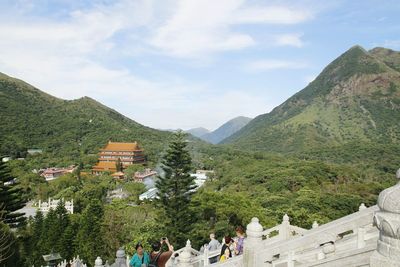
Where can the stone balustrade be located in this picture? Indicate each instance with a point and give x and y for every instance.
(351, 232)
(368, 237)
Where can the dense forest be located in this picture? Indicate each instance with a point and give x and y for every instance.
(316, 157)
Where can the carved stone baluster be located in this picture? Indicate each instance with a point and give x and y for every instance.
(253, 244)
(186, 256)
(284, 229)
(387, 219)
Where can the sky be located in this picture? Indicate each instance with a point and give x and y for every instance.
(171, 64)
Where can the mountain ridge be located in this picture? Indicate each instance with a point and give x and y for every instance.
(223, 131)
(356, 97)
(33, 118)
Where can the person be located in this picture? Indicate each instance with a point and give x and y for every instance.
(226, 254)
(212, 246)
(141, 258)
(225, 246)
(158, 257)
(240, 240)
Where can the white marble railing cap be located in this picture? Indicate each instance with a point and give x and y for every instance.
(389, 199)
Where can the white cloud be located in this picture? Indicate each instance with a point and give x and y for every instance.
(68, 57)
(272, 15)
(273, 64)
(293, 39)
(201, 27)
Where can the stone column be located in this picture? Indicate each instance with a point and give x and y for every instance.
(205, 254)
(284, 229)
(387, 219)
(253, 244)
(186, 256)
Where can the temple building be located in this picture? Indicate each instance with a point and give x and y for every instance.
(126, 153)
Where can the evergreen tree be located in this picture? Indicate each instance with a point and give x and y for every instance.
(67, 242)
(62, 225)
(89, 241)
(118, 165)
(175, 188)
(50, 233)
(34, 244)
(11, 198)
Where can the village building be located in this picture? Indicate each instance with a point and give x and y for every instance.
(141, 176)
(53, 173)
(114, 152)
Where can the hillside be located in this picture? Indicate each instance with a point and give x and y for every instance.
(33, 119)
(355, 99)
(198, 132)
(226, 130)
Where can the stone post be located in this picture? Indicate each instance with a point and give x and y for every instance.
(284, 229)
(206, 253)
(185, 256)
(362, 207)
(253, 244)
(387, 219)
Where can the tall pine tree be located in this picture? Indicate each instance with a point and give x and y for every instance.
(11, 198)
(175, 188)
(89, 239)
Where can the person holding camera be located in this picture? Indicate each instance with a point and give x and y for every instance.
(158, 257)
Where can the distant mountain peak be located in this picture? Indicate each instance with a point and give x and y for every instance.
(226, 130)
(355, 98)
(198, 132)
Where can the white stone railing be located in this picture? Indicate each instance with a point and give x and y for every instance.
(204, 259)
(294, 246)
(284, 230)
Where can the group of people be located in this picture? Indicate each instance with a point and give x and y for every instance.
(230, 246)
(158, 258)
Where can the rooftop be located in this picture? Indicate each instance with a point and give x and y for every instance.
(117, 146)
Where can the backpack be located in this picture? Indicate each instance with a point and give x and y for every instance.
(153, 261)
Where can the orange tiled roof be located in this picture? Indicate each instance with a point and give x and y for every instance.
(117, 146)
(104, 165)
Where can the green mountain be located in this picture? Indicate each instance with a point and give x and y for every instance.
(31, 118)
(355, 100)
(198, 132)
(226, 130)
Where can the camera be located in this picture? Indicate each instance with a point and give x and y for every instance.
(164, 238)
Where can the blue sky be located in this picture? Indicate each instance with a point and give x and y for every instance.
(185, 63)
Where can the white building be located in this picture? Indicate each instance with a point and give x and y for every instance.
(149, 194)
(53, 203)
(200, 177)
